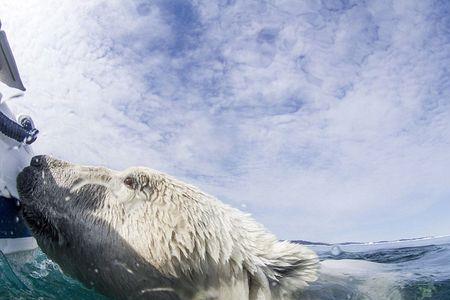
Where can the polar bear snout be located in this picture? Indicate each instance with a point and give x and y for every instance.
(33, 178)
(50, 181)
(26, 181)
(38, 161)
(45, 162)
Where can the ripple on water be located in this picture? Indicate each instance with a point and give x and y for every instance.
(348, 272)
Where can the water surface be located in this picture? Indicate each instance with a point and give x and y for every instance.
(407, 269)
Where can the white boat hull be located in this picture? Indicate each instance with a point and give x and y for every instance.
(14, 233)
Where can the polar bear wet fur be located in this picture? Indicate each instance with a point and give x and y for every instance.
(140, 233)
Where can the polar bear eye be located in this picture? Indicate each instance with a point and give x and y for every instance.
(129, 182)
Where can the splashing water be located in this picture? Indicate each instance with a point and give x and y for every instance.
(336, 250)
(31, 275)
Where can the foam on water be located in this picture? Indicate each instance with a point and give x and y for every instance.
(408, 269)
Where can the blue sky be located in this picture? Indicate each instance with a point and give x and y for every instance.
(326, 120)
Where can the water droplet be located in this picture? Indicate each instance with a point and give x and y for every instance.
(16, 219)
(67, 198)
(96, 270)
(17, 203)
(336, 250)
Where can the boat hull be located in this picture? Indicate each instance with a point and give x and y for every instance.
(14, 233)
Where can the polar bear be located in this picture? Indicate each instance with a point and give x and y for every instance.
(141, 234)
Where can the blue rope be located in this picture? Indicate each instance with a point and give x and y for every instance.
(24, 133)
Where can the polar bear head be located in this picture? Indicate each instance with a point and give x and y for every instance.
(140, 232)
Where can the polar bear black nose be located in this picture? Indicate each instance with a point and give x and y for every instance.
(38, 161)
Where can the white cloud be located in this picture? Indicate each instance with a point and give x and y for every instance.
(330, 120)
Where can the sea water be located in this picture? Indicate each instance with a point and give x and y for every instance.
(406, 269)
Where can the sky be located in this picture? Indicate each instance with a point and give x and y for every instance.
(326, 120)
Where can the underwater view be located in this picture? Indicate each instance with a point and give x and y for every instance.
(405, 269)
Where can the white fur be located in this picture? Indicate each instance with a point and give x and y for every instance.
(204, 246)
(188, 234)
